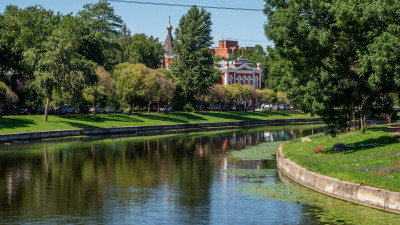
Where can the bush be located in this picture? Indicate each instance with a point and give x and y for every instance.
(319, 148)
(364, 129)
(339, 147)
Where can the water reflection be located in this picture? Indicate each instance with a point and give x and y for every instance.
(173, 179)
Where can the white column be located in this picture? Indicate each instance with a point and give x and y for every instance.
(234, 78)
(254, 79)
(226, 78)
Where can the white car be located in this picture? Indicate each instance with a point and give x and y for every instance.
(165, 108)
(98, 109)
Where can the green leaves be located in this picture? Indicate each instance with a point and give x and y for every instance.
(334, 57)
(194, 65)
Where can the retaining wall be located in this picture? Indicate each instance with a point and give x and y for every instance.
(358, 193)
(136, 129)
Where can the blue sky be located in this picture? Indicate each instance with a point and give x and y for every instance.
(243, 26)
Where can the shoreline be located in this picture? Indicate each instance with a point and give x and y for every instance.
(150, 129)
(358, 193)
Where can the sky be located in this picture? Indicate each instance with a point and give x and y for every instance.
(247, 27)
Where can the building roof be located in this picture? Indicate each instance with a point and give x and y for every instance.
(242, 63)
(169, 42)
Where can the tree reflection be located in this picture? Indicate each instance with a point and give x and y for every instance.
(78, 179)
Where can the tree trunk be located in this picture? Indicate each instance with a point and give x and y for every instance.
(95, 109)
(148, 108)
(130, 109)
(220, 106)
(158, 107)
(354, 121)
(46, 108)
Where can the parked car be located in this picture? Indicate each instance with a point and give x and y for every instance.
(9, 109)
(215, 107)
(67, 109)
(98, 109)
(82, 109)
(26, 110)
(284, 107)
(39, 110)
(250, 107)
(110, 109)
(292, 107)
(225, 108)
(165, 108)
(258, 109)
(200, 108)
(237, 108)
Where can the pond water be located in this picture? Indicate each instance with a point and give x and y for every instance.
(175, 179)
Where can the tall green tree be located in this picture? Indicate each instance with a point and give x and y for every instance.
(61, 68)
(335, 59)
(104, 24)
(124, 42)
(146, 50)
(194, 65)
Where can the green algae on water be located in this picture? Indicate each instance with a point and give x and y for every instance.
(263, 151)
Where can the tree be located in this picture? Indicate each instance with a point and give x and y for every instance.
(61, 68)
(332, 57)
(124, 41)
(103, 24)
(2, 93)
(216, 94)
(102, 91)
(194, 65)
(166, 91)
(130, 83)
(146, 50)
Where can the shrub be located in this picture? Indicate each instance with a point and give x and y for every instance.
(319, 148)
(364, 129)
(339, 147)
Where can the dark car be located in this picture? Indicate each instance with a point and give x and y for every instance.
(237, 108)
(200, 108)
(225, 108)
(83, 109)
(27, 110)
(9, 109)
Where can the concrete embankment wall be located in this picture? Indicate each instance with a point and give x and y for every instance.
(358, 193)
(26, 136)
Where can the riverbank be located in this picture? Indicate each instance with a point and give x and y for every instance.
(370, 161)
(158, 129)
(35, 123)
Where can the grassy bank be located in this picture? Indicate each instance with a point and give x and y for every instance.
(372, 158)
(16, 124)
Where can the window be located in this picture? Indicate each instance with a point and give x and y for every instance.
(230, 79)
(256, 82)
(239, 80)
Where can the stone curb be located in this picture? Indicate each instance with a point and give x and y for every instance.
(26, 136)
(358, 193)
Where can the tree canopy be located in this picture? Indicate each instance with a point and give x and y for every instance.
(335, 58)
(194, 66)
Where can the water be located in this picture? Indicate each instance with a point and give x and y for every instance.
(177, 179)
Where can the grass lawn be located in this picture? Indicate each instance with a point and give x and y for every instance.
(359, 163)
(31, 123)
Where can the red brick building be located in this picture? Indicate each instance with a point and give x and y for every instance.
(240, 71)
(225, 48)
